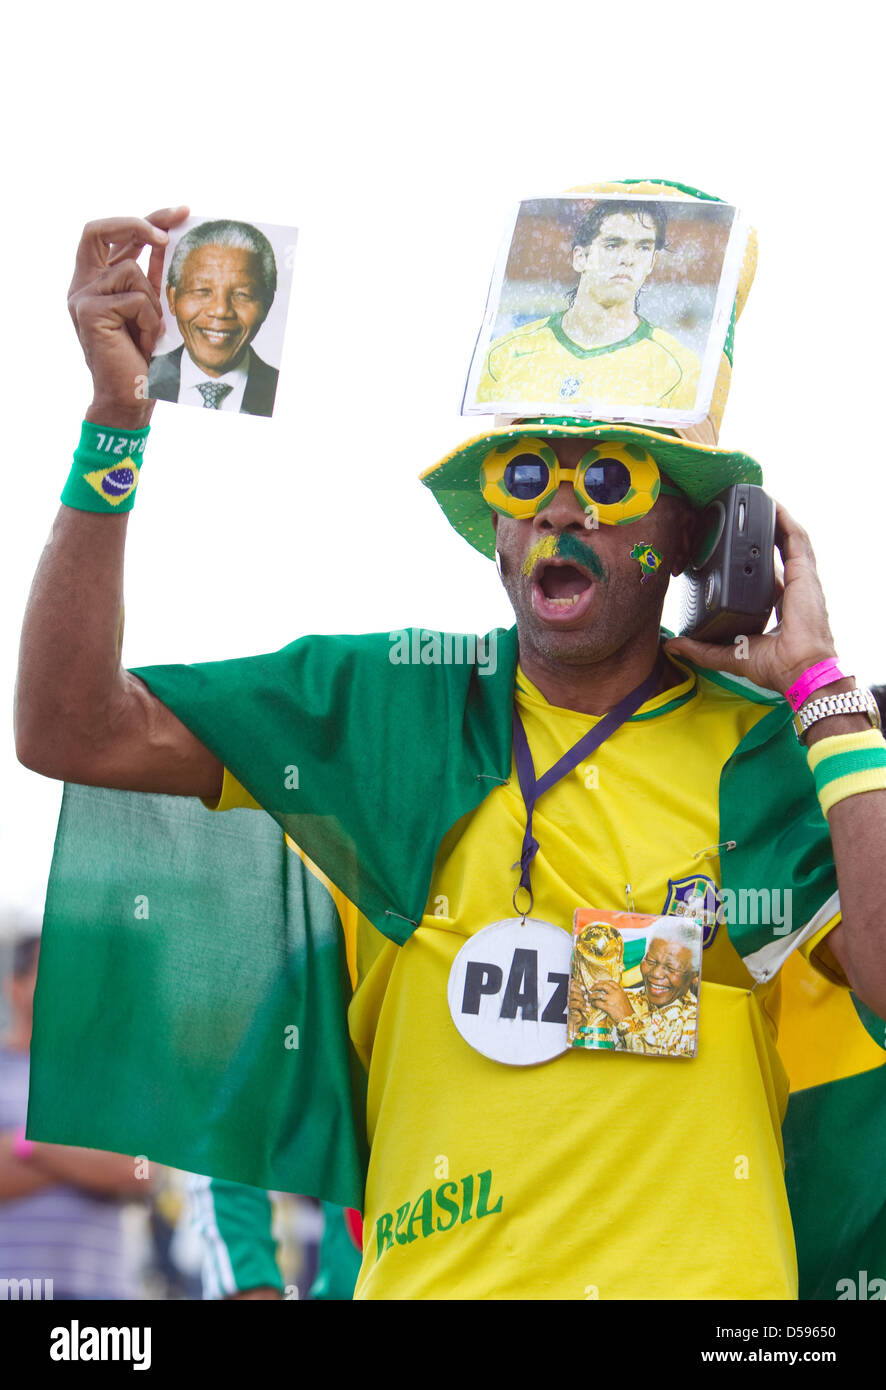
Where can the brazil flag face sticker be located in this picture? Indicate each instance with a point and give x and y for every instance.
(115, 483)
(648, 559)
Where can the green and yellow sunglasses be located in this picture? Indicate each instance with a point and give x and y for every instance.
(617, 482)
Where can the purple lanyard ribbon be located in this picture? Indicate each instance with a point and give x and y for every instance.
(532, 787)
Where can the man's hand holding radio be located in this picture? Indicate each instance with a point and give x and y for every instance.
(775, 660)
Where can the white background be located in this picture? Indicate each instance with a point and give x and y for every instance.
(396, 138)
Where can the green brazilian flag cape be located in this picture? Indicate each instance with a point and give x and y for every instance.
(191, 1000)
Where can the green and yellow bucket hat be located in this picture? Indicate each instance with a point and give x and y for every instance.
(689, 456)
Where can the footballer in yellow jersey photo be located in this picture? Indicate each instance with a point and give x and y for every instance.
(609, 304)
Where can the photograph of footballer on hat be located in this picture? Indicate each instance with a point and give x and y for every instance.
(610, 306)
(225, 283)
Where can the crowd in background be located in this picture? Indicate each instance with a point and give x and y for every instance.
(106, 1226)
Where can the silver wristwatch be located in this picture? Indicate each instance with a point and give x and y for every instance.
(850, 702)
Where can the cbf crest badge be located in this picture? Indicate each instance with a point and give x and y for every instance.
(696, 896)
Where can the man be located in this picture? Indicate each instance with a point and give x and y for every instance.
(220, 288)
(61, 1209)
(414, 841)
(663, 1017)
(599, 349)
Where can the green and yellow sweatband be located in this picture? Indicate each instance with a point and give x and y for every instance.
(847, 764)
(106, 469)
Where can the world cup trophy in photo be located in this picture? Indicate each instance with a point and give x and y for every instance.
(598, 954)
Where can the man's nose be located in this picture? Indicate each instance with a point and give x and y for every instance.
(220, 304)
(566, 512)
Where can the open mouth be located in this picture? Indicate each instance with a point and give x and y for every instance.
(561, 591)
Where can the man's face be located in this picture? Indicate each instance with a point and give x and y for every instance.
(616, 263)
(667, 971)
(611, 606)
(219, 305)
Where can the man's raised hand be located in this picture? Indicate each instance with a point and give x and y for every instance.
(117, 312)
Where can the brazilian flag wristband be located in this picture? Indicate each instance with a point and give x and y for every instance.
(106, 468)
(847, 764)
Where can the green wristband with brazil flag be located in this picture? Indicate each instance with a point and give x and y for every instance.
(106, 468)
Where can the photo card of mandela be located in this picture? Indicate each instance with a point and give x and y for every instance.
(225, 297)
(634, 983)
(610, 306)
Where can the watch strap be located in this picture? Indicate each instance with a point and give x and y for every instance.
(846, 702)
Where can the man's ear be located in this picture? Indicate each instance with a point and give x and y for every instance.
(170, 298)
(708, 529)
(579, 257)
(687, 534)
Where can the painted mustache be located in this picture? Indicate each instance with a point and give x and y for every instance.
(566, 547)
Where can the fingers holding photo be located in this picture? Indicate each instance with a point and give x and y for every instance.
(109, 240)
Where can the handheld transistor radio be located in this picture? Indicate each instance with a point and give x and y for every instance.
(730, 587)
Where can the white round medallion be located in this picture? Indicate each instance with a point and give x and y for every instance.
(508, 990)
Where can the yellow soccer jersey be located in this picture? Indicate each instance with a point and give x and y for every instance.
(595, 1175)
(539, 363)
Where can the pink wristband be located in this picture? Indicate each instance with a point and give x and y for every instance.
(822, 674)
(22, 1147)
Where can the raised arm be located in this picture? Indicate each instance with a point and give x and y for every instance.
(79, 716)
